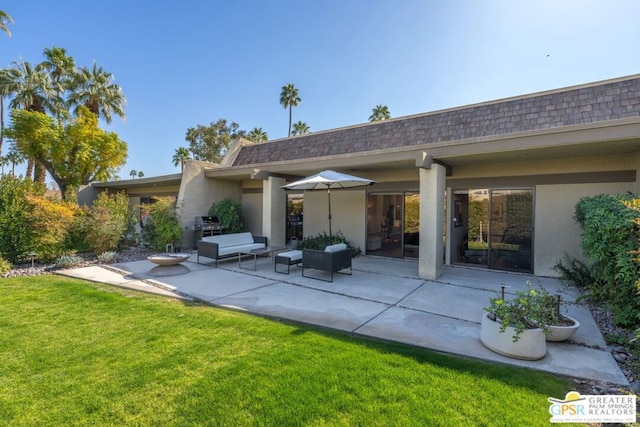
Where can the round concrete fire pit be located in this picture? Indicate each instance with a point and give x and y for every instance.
(168, 259)
(168, 264)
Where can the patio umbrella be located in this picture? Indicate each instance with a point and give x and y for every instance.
(326, 180)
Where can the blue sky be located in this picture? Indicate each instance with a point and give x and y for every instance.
(186, 63)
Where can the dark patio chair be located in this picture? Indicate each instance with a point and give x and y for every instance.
(332, 261)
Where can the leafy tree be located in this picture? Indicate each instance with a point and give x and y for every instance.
(257, 135)
(289, 98)
(54, 86)
(379, 112)
(210, 143)
(133, 173)
(5, 19)
(140, 174)
(76, 153)
(180, 156)
(300, 128)
(94, 89)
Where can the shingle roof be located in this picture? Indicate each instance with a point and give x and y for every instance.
(582, 105)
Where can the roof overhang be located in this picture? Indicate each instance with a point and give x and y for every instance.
(602, 138)
(128, 184)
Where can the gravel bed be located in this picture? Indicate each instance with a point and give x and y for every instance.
(29, 269)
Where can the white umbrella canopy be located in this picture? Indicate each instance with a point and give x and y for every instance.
(326, 180)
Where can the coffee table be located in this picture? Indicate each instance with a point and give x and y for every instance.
(266, 251)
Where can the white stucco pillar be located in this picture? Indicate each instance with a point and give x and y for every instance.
(274, 207)
(432, 188)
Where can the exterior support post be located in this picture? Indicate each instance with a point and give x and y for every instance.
(274, 206)
(432, 195)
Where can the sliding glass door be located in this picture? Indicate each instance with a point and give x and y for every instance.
(511, 230)
(393, 224)
(493, 228)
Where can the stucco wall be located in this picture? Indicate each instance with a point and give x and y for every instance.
(198, 193)
(87, 195)
(348, 214)
(556, 233)
(252, 213)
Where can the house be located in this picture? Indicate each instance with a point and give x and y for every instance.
(491, 185)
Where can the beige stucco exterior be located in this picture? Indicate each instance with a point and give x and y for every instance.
(593, 149)
(348, 214)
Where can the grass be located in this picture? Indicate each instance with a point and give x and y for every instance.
(80, 353)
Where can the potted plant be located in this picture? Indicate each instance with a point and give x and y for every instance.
(513, 328)
(520, 327)
(559, 327)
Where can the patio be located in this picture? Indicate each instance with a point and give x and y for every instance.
(383, 299)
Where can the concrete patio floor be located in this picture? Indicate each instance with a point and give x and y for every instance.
(383, 299)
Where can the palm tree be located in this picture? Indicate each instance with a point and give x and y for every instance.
(4, 92)
(180, 156)
(133, 173)
(140, 174)
(4, 20)
(15, 157)
(61, 68)
(289, 98)
(93, 89)
(300, 128)
(32, 90)
(380, 112)
(30, 86)
(257, 135)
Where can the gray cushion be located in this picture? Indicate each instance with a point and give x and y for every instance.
(336, 247)
(292, 255)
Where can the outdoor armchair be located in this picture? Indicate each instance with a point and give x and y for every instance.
(333, 259)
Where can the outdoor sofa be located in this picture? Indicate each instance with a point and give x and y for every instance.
(333, 259)
(228, 245)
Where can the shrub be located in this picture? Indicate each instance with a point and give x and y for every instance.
(575, 272)
(69, 261)
(108, 257)
(161, 226)
(229, 212)
(322, 240)
(107, 222)
(5, 265)
(609, 237)
(15, 230)
(50, 222)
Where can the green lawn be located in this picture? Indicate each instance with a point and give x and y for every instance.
(79, 353)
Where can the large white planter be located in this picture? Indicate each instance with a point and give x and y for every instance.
(562, 333)
(530, 346)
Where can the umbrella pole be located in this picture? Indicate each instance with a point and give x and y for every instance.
(329, 196)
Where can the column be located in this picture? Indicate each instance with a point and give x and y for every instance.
(432, 194)
(274, 206)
